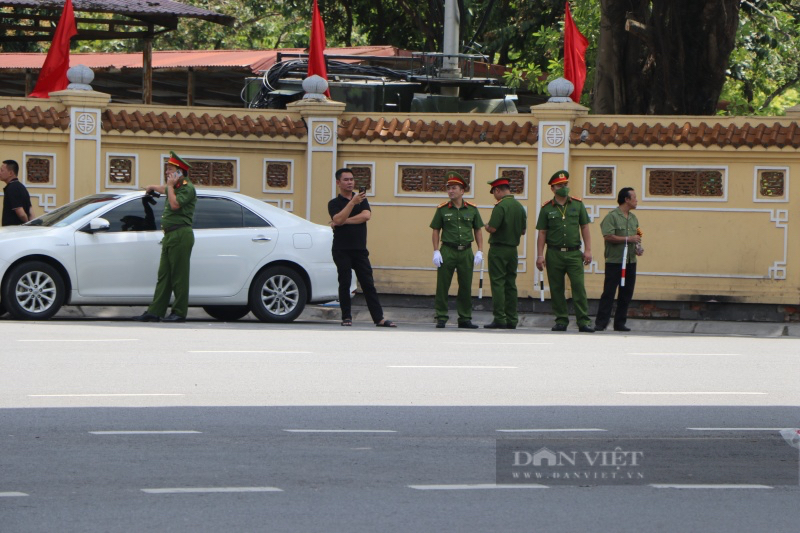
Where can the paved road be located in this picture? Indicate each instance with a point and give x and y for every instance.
(115, 426)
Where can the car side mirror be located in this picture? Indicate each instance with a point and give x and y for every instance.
(98, 224)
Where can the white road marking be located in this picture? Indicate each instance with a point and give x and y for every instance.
(137, 432)
(245, 351)
(734, 429)
(484, 486)
(716, 393)
(678, 353)
(504, 343)
(442, 366)
(709, 486)
(340, 430)
(11, 494)
(206, 490)
(94, 395)
(548, 430)
(77, 340)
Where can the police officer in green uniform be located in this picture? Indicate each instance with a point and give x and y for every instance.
(176, 247)
(561, 224)
(458, 222)
(506, 226)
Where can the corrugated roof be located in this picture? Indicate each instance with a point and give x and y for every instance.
(131, 8)
(256, 60)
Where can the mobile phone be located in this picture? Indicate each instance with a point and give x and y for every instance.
(362, 189)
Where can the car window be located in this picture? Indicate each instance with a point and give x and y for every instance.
(221, 213)
(139, 214)
(251, 220)
(73, 211)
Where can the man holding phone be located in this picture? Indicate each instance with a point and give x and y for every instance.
(176, 247)
(349, 215)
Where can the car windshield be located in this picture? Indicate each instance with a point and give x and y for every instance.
(73, 211)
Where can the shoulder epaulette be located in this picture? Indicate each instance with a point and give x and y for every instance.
(576, 198)
(442, 204)
(470, 203)
(547, 202)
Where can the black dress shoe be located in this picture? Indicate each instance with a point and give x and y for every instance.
(146, 317)
(494, 325)
(511, 326)
(440, 324)
(599, 328)
(467, 325)
(621, 328)
(174, 318)
(586, 329)
(559, 327)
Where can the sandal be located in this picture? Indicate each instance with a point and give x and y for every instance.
(386, 324)
(347, 322)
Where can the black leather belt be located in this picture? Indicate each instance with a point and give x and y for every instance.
(173, 228)
(564, 249)
(458, 247)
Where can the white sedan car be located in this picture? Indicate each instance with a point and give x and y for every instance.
(105, 249)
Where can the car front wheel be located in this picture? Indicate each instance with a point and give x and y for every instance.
(227, 313)
(278, 294)
(33, 291)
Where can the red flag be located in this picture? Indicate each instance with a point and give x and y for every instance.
(53, 76)
(316, 59)
(575, 45)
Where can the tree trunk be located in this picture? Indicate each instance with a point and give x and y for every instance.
(663, 57)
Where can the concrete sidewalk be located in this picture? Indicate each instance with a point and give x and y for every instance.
(536, 322)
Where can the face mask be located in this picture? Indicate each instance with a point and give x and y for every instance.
(563, 192)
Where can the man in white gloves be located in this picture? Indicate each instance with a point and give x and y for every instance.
(458, 223)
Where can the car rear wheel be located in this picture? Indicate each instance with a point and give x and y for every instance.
(278, 294)
(227, 313)
(2, 308)
(33, 291)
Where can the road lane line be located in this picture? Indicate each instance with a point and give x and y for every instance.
(442, 366)
(95, 395)
(247, 351)
(485, 486)
(207, 490)
(144, 432)
(690, 393)
(708, 486)
(504, 343)
(12, 494)
(541, 430)
(340, 430)
(678, 353)
(734, 429)
(77, 340)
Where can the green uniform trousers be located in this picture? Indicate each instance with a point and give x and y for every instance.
(460, 262)
(503, 276)
(571, 264)
(173, 273)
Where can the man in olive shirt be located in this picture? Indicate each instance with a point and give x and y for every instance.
(458, 222)
(620, 229)
(176, 247)
(506, 226)
(562, 221)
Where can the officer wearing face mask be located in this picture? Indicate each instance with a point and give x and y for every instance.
(561, 224)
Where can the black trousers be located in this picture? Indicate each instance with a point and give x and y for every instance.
(610, 286)
(358, 261)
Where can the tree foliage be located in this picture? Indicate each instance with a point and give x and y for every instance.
(676, 56)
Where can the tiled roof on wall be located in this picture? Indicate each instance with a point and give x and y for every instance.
(436, 132)
(22, 117)
(204, 124)
(687, 134)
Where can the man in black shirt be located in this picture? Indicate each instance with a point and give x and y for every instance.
(349, 215)
(16, 200)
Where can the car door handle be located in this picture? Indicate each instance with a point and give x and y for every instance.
(261, 238)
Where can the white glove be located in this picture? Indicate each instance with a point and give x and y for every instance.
(478, 257)
(437, 258)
